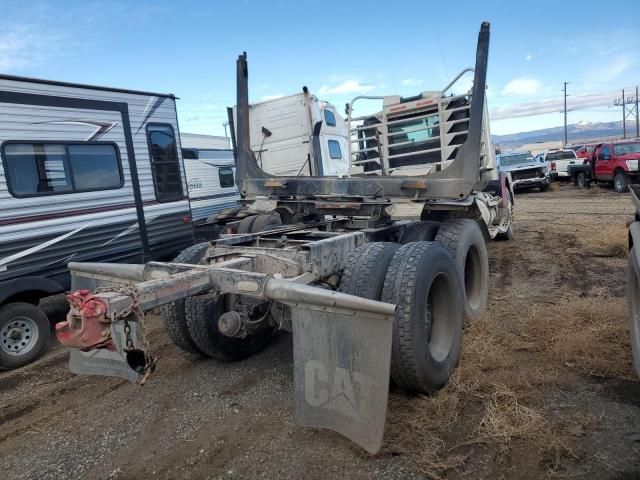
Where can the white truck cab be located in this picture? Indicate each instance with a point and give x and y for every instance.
(299, 135)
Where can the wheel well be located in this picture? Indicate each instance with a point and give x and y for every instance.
(29, 296)
(619, 170)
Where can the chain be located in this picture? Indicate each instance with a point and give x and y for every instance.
(133, 309)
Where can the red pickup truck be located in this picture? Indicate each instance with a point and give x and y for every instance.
(615, 163)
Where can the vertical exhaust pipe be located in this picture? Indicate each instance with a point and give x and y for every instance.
(243, 146)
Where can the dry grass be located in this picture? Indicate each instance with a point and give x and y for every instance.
(494, 398)
(609, 241)
(589, 333)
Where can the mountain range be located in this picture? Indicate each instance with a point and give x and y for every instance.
(577, 132)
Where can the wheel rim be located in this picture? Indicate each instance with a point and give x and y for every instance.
(439, 316)
(473, 277)
(18, 336)
(618, 182)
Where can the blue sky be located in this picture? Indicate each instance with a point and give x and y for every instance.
(338, 49)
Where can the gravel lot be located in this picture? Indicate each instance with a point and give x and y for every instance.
(199, 418)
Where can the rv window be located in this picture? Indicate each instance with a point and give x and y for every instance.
(48, 168)
(334, 150)
(165, 162)
(94, 167)
(226, 177)
(330, 118)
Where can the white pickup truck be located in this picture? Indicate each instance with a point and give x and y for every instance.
(559, 161)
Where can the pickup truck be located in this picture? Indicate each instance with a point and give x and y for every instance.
(559, 160)
(615, 163)
(525, 170)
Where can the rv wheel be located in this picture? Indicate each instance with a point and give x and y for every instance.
(24, 334)
(423, 282)
(173, 313)
(465, 242)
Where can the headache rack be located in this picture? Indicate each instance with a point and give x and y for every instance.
(412, 136)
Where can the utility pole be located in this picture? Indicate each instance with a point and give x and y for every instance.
(637, 116)
(624, 117)
(565, 113)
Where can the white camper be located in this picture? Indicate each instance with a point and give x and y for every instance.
(88, 174)
(210, 180)
(299, 135)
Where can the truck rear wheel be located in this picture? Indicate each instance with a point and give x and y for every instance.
(366, 270)
(423, 282)
(465, 242)
(420, 231)
(24, 334)
(202, 313)
(633, 301)
(266, 222)
(246, 224)
(172, 314)
(621, 182)
(581, 180)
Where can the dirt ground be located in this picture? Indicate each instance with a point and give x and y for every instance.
(544, 388)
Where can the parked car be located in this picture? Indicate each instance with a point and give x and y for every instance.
(525, 170)
(559, 160)
(615, 163)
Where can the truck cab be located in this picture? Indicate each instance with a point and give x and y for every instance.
(617, 163)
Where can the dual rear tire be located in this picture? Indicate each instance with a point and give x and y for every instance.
(422, 279)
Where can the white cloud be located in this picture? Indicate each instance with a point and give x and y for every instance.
(555, 105)
(528, 57)
(21, 47)
(348, 87)
(411, 82)
(521, 87)
(271, 97)
(610, 72)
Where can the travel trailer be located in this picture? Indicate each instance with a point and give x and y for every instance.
(210, 181)
(298, 135)
(89, 174)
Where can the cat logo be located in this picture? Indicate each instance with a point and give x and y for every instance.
(339, 390)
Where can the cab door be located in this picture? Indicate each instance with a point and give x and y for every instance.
(604, 165)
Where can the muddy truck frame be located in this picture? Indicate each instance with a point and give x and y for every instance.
(373, 273)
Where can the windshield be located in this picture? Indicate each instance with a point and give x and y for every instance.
(565, 155)
(626, 148)
(516, 159)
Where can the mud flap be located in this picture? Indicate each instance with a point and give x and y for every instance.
(342, 361)
(105, 362)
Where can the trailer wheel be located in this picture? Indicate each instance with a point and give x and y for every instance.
(621, 182)
(246, 224)
(266, 222)
(366, 270)
(465, 242)
(423, 282)
(202, 313)
(633, 301)
(24, 334)
(172, 313)
(419, 231)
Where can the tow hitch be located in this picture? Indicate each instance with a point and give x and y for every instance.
(342, 343)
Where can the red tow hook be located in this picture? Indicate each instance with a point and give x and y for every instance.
(86, 326)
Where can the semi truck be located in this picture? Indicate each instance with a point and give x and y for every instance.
(373, 273)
